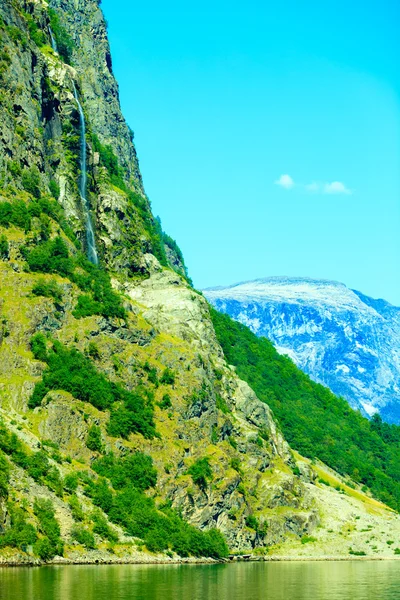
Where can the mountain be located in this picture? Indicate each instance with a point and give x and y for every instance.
(340, 337)
(125, 435)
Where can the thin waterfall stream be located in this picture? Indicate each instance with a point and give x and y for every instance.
(90, 238)
(53, 40)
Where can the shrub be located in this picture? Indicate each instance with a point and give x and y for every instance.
(20, 533)
(44, 549)
(235, 464)
(4, 476)
(93, 350)
(48, 289)
(83, 537)
(306, 539)
(134, 470)
(101, 527)
(38, 347)
(15, 213)
(252, 522)
(93, 440)
(51, 256)
(357, 552)
(101, 299)
(76, 508)
(221, 404)
(31, 181)
(54, 189)
(165, 402)
(49, 527)
(168, 377)
(71, 482)
(201, 472)
(4, 248)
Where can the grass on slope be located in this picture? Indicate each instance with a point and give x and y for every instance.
(314, 421)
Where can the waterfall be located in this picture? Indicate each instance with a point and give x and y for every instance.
(90, 239)
(53, 40)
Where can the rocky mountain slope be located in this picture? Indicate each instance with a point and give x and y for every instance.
(340, 337)
(124, 434)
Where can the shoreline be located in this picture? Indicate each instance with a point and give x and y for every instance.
(32, 562)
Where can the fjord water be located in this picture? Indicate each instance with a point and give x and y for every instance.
(355, 580)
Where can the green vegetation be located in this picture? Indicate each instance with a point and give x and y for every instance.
(4, 476)
(31, 181)
(201, 472)
(51, 256)
(101, 527)
(4, 248)
(357, 552)
(76, 508)
(161, 529)
(101, 299)
(35, 33)
(48, 289)
(165, 402)
(65, 44)
(138, 203)
(51, 544)
(15, 213)
(36, 464)
(93, 440)
(252, 522)
(168, 377)
(20, 534)
(69, 370)
(122, 472)
(83, 537)
(308, 539)
(313, 420)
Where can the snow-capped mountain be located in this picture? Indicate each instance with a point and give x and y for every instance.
(340, 337)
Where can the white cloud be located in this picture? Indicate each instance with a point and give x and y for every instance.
(285, 181)
(336, 187)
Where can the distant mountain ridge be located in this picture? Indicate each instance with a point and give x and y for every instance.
(339, 336)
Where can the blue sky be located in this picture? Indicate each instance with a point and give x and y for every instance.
(225, 98)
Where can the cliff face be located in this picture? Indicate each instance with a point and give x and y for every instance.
(146, 343)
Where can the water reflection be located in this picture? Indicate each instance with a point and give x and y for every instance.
(244, 581)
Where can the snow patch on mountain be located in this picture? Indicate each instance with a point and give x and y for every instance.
(340, 337)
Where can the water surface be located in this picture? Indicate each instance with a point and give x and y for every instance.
(241, 581)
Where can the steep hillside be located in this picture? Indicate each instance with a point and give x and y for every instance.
(124, 433)
(117, 404)
(315, 422)
(340, 337)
